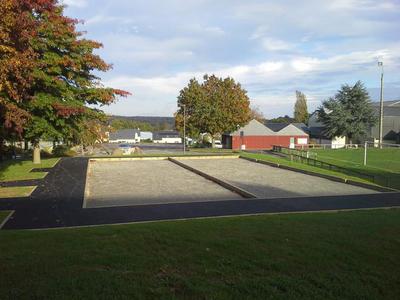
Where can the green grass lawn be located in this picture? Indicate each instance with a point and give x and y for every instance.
(16, 191)
(384, 164)
(345, 255)
(20, 170)
(382, 159)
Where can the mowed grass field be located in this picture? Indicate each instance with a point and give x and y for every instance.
(387, 159)
(384, 164)
(344, 255)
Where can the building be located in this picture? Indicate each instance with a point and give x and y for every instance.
(391, 122)
(146, 135)
(256, 135)
(166, 137)
(128, 136)
(391, 127)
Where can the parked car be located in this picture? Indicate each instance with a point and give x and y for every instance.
(126, 149)
(217, 144)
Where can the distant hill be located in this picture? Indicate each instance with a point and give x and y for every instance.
(144, 122)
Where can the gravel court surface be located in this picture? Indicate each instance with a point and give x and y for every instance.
(123, 183)
(269, 182)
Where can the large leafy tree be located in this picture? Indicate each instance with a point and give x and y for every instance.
(300, 108)
(349, 113)
(215, 106)
(62, 81)
(17, 61)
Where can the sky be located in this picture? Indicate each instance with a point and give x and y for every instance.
(273, 48)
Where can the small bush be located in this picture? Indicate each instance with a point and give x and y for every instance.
(63, 150)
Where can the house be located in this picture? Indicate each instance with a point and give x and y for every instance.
(129, 136)
(166, 137)
(256, 135)
(316, 132)
(391, 122)
(146, 135)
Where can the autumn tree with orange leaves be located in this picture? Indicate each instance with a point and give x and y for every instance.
(57, 84)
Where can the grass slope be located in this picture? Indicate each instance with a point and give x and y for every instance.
(346, 255)
(11, 170)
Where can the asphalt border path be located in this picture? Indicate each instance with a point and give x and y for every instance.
(57, 202)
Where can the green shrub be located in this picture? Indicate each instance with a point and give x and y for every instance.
(63, 150)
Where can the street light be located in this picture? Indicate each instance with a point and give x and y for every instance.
(380, 64)
(184, 127)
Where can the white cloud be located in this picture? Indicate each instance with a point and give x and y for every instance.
(363, 5)
(271, 47)
(271, 84)
(271, 44)
(75, 3)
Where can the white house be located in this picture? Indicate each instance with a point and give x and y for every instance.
(129, 136)
(146, 135)
(166, 137)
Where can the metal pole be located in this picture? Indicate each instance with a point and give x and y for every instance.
(381, 109)
(184, 129)
(365, 153)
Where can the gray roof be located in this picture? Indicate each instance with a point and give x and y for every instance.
(390, 108)
(291, 129)
(124, 134)
(276, 126)
(279, 126)
(392, 103)
(255, 128)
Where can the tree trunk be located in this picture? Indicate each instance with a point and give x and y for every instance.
(36, 153)
(26, 145)
(212, 142)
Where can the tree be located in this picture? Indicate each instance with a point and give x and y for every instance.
(349, 113)
(284, 119)
(17, 60)
(300, 108)
(215, 106)
(257, 114)
(63, 83)
(118, 124)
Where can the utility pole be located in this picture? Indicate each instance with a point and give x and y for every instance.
(380, 64)
(184, 128)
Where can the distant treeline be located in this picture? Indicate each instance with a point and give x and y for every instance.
(284, 119)
(143, 123)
